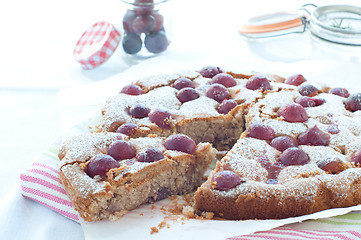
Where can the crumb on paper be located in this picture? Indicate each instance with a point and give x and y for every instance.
(162, 224)
(180, 209)
(154, 230)
(188, 211)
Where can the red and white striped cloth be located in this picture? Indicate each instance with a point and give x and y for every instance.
(284, 233)
(41, 183)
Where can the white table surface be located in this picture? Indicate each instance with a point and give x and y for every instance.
(37, 39)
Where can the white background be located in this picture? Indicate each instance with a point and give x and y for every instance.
(36, 62)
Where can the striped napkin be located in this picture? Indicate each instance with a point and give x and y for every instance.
(41, 183)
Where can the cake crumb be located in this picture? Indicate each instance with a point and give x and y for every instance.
(154, 230)
(188, 211)
(162, 224)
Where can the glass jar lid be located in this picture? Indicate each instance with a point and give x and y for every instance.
(337, 23)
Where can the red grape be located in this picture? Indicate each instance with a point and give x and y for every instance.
(128, 20)
(353, 102)
(225, 79)
(281, 143)
(131, 43)
(305, 101)
(150, 155)
(100, 165)
(356, 158)
(294, 156)
(187, 94)
(210, 71)
(314, 137)
(261, 131)
(180, 142)
(127, 128)
(183, 83)
(226, 106)
(293, 112)
(143, 24)
(331, 165)
(342, 92)
(121, 150)
(158, 21)
(156, 42)
(139, 111)
(225, 180)
(143, 7)
(132, 89)
(161, 118)
(296, 80)
(217, 92)
(258, 82)
(308, 90)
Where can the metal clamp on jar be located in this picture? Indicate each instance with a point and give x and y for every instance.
(334, 23)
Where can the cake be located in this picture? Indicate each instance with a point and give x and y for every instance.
(292, 147)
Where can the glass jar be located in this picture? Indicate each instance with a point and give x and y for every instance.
(146, 28)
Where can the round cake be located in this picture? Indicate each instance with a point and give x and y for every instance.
(290, 146)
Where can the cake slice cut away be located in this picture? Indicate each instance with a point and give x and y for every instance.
(107, 174)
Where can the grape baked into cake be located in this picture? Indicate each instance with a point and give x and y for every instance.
(292, 147)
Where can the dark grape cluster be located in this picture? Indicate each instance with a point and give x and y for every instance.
(225, 180)
(143, 19)
(100, 164)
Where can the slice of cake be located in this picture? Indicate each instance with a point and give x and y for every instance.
(107, 174)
